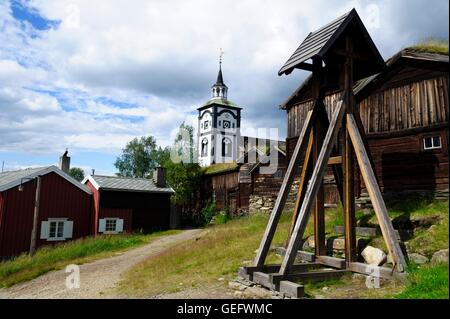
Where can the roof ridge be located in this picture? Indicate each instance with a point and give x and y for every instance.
(26, 169)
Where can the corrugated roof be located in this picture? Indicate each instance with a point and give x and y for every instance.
(12, 179)
(127, 184)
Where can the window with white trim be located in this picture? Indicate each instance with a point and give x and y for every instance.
(110, 225)
(55, 229)
(432, 142)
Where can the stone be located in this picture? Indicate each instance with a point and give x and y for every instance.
(236, 286)
(339, 244)
(259, 201)
(418, 258)
(310, 242)
(373, 256)
(257, 293)
(440, 256)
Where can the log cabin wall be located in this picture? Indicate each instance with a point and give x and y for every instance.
(410, 106)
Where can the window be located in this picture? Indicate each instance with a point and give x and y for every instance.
(432, 142)
(205, 147)
(56, 230)
(110, 225)
(205, 126)
(226, 147)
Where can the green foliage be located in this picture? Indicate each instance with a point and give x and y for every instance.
(76, 173)
(427, 282)
(48, 258)
(220, 168)
(139, 158)
(184, 179)
(432, 45)
(207, 213)
(223, 217)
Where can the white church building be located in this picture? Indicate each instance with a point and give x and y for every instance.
(219, 122)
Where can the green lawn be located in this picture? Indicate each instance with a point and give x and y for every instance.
(224, 248)
(24, 267)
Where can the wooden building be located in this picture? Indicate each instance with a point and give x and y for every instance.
(405, 113)
(123, 204)
(64, 208)
(232, 185)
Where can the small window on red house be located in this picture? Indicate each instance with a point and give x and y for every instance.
(432, 142)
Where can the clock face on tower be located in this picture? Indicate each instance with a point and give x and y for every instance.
(226, 124)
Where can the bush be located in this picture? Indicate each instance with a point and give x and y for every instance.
(223, 217)
(207, 213)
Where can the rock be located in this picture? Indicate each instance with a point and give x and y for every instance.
(440, 256)
(418, 258)
(221, 279)
(425, 221)
(373, 256)
(325, 288)
(339, 244)
(238, 294)
(257, 293)
(236, 286)
(310, 242)
(259, 201)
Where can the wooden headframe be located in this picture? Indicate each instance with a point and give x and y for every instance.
(342, 45)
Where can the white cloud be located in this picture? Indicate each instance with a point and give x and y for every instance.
(114, 70)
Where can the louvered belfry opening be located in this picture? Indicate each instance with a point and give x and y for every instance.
(338, 54)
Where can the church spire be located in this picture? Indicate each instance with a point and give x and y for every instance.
(219, 89)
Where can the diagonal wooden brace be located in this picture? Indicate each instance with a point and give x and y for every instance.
(285, 189)
(313, 187)
(375, 194)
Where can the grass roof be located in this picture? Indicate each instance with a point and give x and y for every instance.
(431, 46)
(220, 168)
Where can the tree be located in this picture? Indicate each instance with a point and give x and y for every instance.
(139, 158)
(76, 173)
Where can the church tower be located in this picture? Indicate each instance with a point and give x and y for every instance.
(219, 122)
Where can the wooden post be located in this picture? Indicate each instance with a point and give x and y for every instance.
(319, 127)
(284, 190)
(304, 177)
(375, 195)
(348, 161)
(35, 217)
(313, 187)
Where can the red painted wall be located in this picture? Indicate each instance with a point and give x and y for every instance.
(124, 213)
(59, 199)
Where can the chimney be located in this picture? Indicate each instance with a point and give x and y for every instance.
(93, 172)
(159, 177)
(64, 162)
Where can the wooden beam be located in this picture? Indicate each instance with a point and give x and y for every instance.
(302, 255)
(331, 261)
(319, 204)
(285, 189)
(375, 271)
(335, 160)
(313, 187)
(375, 195)
(292, 289)
(304, 177)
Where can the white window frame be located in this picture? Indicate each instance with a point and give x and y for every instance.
(65, 223)
(433, 147)
(112, 232)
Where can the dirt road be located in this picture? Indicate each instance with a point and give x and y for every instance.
(97, 279)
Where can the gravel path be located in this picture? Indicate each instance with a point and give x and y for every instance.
(97, 279)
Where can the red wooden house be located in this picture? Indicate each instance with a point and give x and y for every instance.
(124, 204)
(64, 208)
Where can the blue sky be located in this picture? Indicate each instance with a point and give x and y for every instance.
(89, 76)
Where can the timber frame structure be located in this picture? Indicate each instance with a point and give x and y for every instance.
(342, 52)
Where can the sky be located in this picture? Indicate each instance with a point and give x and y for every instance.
(91, 75)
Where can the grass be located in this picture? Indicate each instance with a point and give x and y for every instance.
(217, 254)
(24, 267)
(432, 46)
(220, 168)
(224, 248)
(427, 282)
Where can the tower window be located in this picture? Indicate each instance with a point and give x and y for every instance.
(206, 125)
(226, 147)
(205, 147)
(220, 123)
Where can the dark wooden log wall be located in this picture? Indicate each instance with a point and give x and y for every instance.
(396, 118)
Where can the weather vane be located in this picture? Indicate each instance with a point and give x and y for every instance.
(221, 56)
